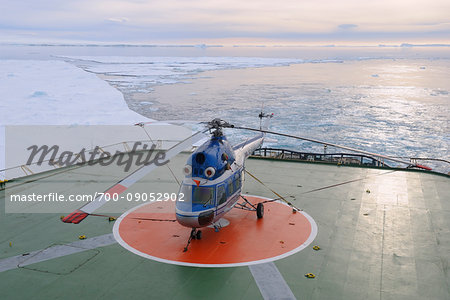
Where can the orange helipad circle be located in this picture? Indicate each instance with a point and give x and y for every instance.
(245, 241)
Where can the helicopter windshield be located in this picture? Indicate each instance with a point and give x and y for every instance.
(203, 195)
(197, 194)
(185, 193)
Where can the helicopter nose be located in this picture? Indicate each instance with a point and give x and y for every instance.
(187, 221)
(205, 218)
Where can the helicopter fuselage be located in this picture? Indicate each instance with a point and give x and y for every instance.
(213, 181)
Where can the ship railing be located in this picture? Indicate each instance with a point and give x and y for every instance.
(416, 160)
(337, 158)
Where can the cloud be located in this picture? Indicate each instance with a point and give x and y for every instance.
(118, 20)
(347, 26)
(173, 20)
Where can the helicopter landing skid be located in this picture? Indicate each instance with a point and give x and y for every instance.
(195, 234)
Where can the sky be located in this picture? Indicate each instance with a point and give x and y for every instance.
(225, 22)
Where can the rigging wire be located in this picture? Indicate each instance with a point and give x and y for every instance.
(345, 182)
(313, 190)
(135, 218)
(176, 179)
(279, 196)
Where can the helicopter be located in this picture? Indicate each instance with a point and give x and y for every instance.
(212, 184)
(213, 177)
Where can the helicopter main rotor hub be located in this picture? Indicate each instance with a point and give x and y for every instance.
(215, 127)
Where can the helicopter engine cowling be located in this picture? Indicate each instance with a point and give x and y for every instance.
(210, 160)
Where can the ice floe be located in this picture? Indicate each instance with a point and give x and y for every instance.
(57, 93)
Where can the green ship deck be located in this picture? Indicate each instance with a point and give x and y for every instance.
(383, 234)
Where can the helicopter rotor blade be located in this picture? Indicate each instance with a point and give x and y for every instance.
(167, 122)
(333, 145)
(78, 215)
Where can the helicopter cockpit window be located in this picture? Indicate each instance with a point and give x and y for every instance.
(203, 195)
(185, 192)
(184, 201)
(221, 194)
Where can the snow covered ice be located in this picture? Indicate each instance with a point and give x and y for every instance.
(55, 92)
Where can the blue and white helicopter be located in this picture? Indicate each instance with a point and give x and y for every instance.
(212, 184)
(213, 177)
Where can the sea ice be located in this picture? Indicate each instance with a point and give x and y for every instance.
(139, 73)
(54, 92)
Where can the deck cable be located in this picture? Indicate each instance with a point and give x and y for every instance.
(345, 182)
(279, 196)
(145, 219)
